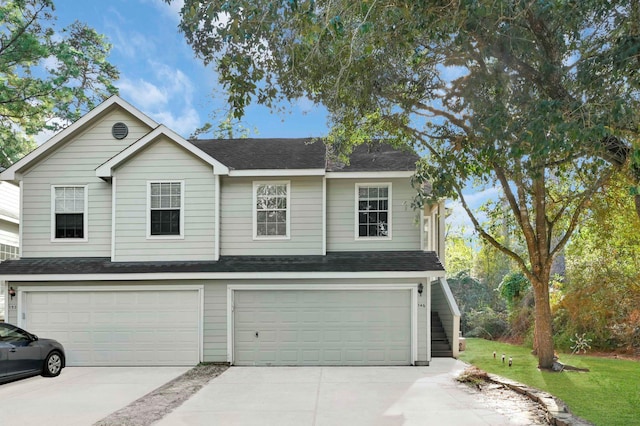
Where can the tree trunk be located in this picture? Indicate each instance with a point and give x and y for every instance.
(543, 344)
(637, 200)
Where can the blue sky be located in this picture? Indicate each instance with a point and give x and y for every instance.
(160, 75)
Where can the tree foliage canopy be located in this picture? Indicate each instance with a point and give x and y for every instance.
(601, 295)
(540, 98)
(48, 78)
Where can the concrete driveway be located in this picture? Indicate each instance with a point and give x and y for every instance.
(80, 395)
(323, 396)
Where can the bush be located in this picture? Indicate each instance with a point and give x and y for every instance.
(487, 323)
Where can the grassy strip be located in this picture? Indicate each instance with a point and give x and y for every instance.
(607, 395)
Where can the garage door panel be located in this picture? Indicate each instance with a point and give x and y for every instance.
(141, 327)
(326, 327)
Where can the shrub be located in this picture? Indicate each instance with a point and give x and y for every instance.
(487, 323)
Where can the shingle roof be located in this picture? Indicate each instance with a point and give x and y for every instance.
(250, 154)
(377, 157)
(307, 153)
(383, 261)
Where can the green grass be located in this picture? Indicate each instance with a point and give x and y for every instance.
(609, 394)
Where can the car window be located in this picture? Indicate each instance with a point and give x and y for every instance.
(8, 334)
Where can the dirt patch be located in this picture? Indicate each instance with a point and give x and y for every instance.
(520, 409)
(538, 407)
(160, 402)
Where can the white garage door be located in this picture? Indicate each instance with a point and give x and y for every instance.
(322, 327)
(115, 327)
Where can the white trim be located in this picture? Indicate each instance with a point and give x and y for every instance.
(216, 219)
(324, 216)
(255, 185)
(422, 246)
(356, 229)
(10, 219)
(20, 227)
(106, 169)
(451, 301)
(114, 185)
(277, 172)
(182, 212)
(85, 215)
(370, 175)
(224, 276)
(414, 323)
(413, 288)
(434, 227)
(230, 324)
(51, 144)
(21, 295)
(4, 291)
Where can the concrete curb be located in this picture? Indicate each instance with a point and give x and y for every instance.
(558, 413)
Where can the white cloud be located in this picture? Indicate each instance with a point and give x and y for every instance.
(167, 97)
(131, 44)
(171, 10)
(477, 198)
(184, 124)
(175, 81)
(142, 93)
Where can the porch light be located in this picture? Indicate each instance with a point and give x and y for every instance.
(420, 289)
(12, 292)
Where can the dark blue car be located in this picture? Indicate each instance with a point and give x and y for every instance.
(23, 354)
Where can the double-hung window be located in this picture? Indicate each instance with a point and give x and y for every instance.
(166, 205)
(69, 213)
(271, 212)
(373, 212)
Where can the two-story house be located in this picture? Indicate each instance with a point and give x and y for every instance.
(139, 247)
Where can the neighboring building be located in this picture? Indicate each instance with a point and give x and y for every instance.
(9, 229)
(139, 247)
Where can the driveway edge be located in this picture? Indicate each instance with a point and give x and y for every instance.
(558, 413)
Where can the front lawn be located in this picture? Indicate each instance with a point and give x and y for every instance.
(607, 395)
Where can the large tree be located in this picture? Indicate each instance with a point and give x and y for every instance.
(539, 98)
(48, 79)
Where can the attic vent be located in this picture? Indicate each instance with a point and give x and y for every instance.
(119, 130)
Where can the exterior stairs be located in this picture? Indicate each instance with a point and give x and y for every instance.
(440, 346)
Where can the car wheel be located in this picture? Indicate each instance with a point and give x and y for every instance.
(52, 365)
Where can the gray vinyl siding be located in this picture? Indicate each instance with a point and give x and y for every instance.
(8, 234)
(341, 217)
(236, 236)
(165, 161)
(75, 164)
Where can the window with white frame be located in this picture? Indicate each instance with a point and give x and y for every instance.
(166, 203)
(427, 244)
(69, 221)
(271, 209)
(373, 213)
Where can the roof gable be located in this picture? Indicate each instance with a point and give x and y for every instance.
(63, 136)
(106, 169)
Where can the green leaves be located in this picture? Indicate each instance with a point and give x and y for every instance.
(49, 79)
(541, 89)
